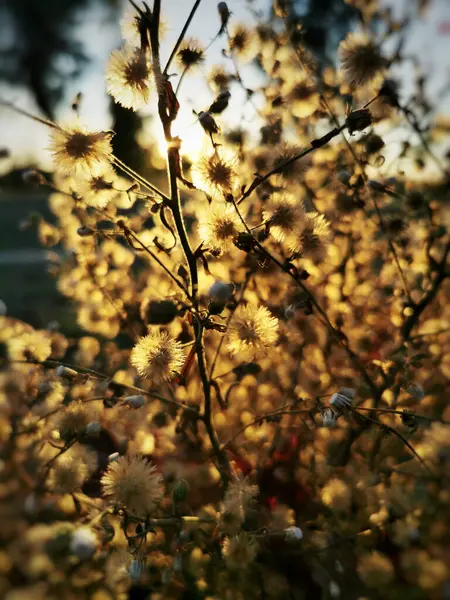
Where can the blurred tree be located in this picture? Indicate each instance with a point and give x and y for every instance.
(39, 51)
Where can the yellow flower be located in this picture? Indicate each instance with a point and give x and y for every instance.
(128, 76)
(285, 214)
(251, 331)
(158, 357)
(133, 483)
(216, 174)
(75, 150)
(218, 228)
(361, 60)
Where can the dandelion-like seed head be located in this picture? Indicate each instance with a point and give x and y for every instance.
(219, 79)
(75, 150)
(251, 332)
(285, 214)
(290, 170)
(73, 419)
(361, 60)
(30, 345)
(191, 54)
(158, 357)
(240, 550)
(243, 42)
(303, 98)
(219, 227)
(216, 174)
(128, 77)
(97, 189)
(71, 470)
(133, 483)
(314, 238)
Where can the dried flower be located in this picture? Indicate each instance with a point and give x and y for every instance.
(30, 345)
(158, 357)
(358, 120)
(216, 174)
(240, 496)
(133, 483)
(240, 550)
(302, 97)
(243, 42)
(128, 77)
(251, 332)
(219, 79)
(361, 60)
(313, 239)
(76, 150)
(191, 54)
(97, 189)
(218, 228)
(71, 470)
(73, 419)
(285, 214)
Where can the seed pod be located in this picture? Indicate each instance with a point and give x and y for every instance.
(66, 373)
(136, 401)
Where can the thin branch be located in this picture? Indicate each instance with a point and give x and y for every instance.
(181, 36)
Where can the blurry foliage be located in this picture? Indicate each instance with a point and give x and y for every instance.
(258, 406)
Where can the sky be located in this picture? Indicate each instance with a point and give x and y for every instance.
(428, 40)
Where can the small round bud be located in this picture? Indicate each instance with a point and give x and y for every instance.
(221, 291)
(85, 231)
(113, 457)
(293, 534)
(342, 400)
(93, 429)
(83, 543)
(66, 373)
(343, 176)
(136, 401)
(224, 13)
(208, 122)
(180, 491)
(358, 120)
(33, 177)
(416, 391)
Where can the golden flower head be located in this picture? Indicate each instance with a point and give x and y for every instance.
(73, 419)
(191, 54)
(313, 239)
(219, 79)
(157, 356)
(128, 76)
(303, 98)
(76, 150)
(30, 345)
(70, 471)
(216, 174)
(97, 188)
(133, 483)
(243, 42)
(251, 331)
(361, 60)
(285, 213)
(218, 228)
(240, 550)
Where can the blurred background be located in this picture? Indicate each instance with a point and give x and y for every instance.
(53, 53)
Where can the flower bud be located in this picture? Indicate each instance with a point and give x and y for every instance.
(293, 534)
(224, 13)
(93, 429)
(85, 231)
(66, 373)
(113, 457)
(33, 177)
(358, 120)
(290, 311)
(342, 400)
(136, 569)
(136, 401)
(221, 291)
(329, 418)
(83, 543)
